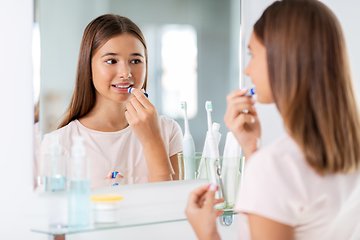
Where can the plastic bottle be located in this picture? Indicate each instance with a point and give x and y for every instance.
(79, 186)
(54, 184)
(230, 167)
(54, 170)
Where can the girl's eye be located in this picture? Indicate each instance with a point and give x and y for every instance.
(135, 61)
(111, 61)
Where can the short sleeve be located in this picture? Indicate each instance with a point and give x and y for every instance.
(273, 188)
(175, 138)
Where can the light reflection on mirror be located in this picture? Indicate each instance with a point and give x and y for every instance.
(193, 50)
(179, 48)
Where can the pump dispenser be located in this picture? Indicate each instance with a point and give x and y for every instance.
(54, 171)
(79, 185)
(55, 183)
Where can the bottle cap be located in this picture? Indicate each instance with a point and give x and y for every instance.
(106, 198)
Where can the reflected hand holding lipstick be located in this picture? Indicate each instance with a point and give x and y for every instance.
(146, 94)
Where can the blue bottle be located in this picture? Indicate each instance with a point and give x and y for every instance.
(79, 186)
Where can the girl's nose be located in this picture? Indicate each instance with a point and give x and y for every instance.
(247, 70)
(124, 71)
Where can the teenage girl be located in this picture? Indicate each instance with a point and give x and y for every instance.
(306, 185)
(123, 132)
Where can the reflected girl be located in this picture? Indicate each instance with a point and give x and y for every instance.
(123, 132)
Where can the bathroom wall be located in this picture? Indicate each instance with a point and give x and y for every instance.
(16, 122)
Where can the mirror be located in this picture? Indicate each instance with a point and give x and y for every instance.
(193, 48)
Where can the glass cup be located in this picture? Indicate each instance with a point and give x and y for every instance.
(189, 166)
(227, 174)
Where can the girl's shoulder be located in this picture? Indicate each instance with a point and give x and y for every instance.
(168, 123)
(66, 130)
(280, 149)
(65, 136)
(281, 157)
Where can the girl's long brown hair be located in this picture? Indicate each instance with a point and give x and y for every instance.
(311, 83)
(96, 34)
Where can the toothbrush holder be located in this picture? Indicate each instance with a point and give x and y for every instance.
(227, 173)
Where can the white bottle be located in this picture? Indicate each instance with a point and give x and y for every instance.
(206, 152)
(230, 168)
(79, 185)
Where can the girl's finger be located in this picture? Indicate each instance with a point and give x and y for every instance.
(119, 176)
(128, 117)
(109, 176)
(136, 104)
(220, 200)
(197, 194)
(239, 100)
(238, 108)
(130, 109)
(141, 98)
(210, 197)
(218, 213)
(241, 120)
(236, 93)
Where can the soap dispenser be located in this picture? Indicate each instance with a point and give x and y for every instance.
(55, 184)
(79, 185)
(54, 168)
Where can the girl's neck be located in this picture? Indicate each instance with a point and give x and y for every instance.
(106, 117)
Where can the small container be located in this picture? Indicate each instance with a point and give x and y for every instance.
(105, 208)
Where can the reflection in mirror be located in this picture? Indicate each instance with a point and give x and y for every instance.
(193, 56)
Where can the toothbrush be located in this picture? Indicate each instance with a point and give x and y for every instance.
(212, 154)
(250, 92)
(211, 142)
(188, 147)
(211, 147)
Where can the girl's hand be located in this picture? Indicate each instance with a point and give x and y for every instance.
(201, 214)
(143, 118)
(241, 118)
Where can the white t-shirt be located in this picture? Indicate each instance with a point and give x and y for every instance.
(119, 151)
(281, 186)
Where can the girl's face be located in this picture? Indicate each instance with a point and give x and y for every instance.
(258, 70)
(118, 65)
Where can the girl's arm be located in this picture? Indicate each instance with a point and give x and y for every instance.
(143, 118)
(264, 228)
